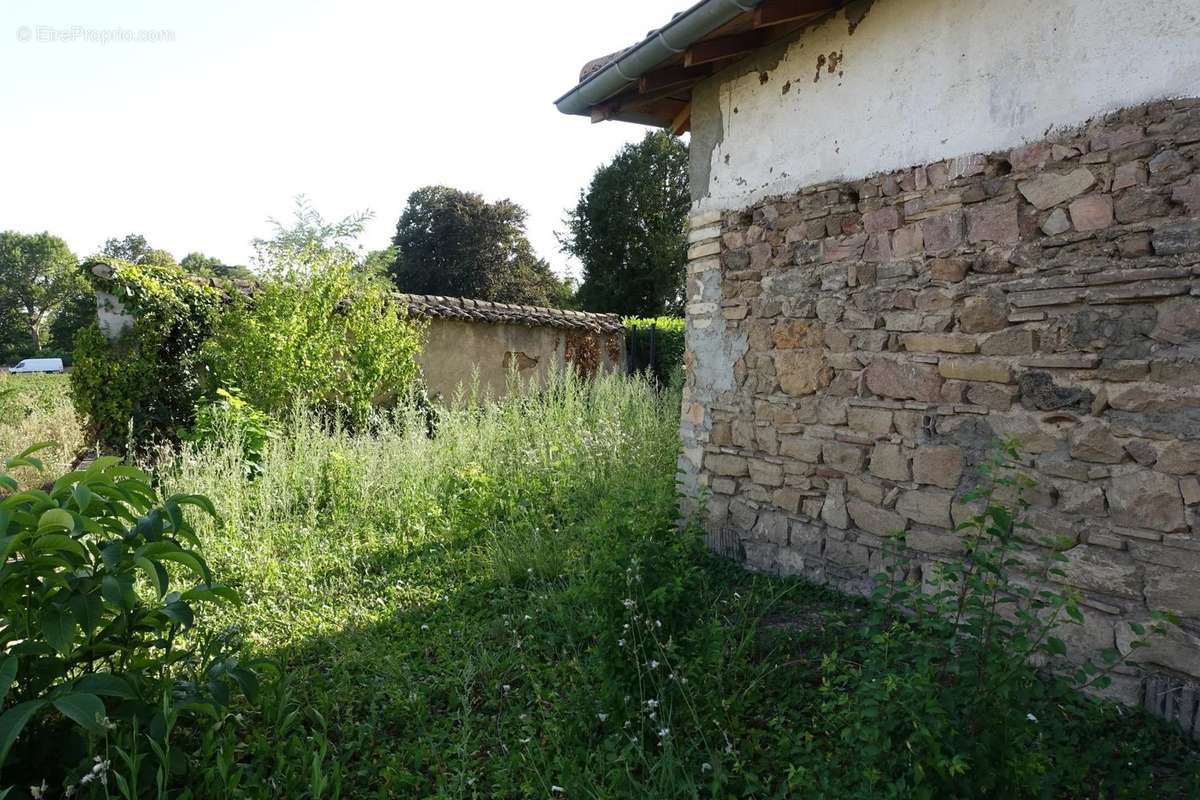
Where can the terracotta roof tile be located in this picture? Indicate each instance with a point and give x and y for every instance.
(426, 305)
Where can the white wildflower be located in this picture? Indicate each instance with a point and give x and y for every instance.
(557, 789)
(706, 767)
(651, 703)
(653, 665)
(38, 792)
(602, 716)
(1031, 717)
(620, 642)
(662, 732)
(628, 603)
(424, 627)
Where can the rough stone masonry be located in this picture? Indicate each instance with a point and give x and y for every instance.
(853, 349)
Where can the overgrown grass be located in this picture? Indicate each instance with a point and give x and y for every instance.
(506, 609)
(37, 408)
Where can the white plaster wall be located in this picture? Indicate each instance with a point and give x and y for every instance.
(924, 80)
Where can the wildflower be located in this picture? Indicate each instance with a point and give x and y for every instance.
(662, 732)
(653, 665)
(706, 767)
(424, 627)
(526, 740)
(628, 603)
(620, 642)
(527, 617)
(1031, 717)
(38, 792)
(652, 703)
(602, 716)
(658, 623)
(557, 789)
(505, 688)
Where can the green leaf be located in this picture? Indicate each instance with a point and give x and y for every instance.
(197, 500)
(87, 710)
(155, 573)
(58, 627)
(100, 465)
(88, 610)
(180, 612)
(51, 542)
(82, 496)
(12, 721)
(8, 674)
(56, 519)
(107, 684)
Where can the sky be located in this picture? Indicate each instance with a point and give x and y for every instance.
(195, 122)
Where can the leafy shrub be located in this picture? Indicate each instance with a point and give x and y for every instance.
(144, 387)
(229, 418)
(316, 333)
(100, 583)
(657, 344)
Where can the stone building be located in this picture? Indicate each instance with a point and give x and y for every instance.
(922, 224)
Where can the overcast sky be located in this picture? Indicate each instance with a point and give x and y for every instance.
(196, 139)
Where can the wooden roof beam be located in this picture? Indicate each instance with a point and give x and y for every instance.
(710, 50)
(671, 77)
(777, 12)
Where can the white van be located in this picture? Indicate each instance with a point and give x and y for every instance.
(38, 365)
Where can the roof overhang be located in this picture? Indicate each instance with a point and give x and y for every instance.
(651, 82)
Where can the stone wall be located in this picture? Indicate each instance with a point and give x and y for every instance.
(853, 348)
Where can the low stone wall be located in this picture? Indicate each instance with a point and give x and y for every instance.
(855, 347)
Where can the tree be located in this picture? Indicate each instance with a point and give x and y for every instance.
(629, 230)
(133, 248)
(197, 263)
(455, 243)
(38, 274)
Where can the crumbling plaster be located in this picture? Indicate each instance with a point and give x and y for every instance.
(916, 81)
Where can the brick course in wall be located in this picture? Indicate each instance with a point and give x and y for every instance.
(854, 348)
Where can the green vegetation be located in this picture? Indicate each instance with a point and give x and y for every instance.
(35, 408)
(455, 243)
(144, 387)
(316, 332)
(97, 584)
(38, 277)
(507, 609)
(629, 230)
(657, 344)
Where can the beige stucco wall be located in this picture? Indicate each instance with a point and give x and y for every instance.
(456, 351)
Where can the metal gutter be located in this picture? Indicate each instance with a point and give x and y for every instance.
(673, 38)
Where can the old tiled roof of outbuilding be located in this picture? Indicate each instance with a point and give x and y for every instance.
(461, 308)
(436, 306)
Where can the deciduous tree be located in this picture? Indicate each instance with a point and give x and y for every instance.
(38, 274)
(455, 243)
(629, 230)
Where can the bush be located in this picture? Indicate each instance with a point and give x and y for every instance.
(314, 332)
(144, 387)
(318, 334)
(99, 585)
(230, 419)
(656, 344)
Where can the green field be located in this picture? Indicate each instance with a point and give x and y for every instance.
(37, 408)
